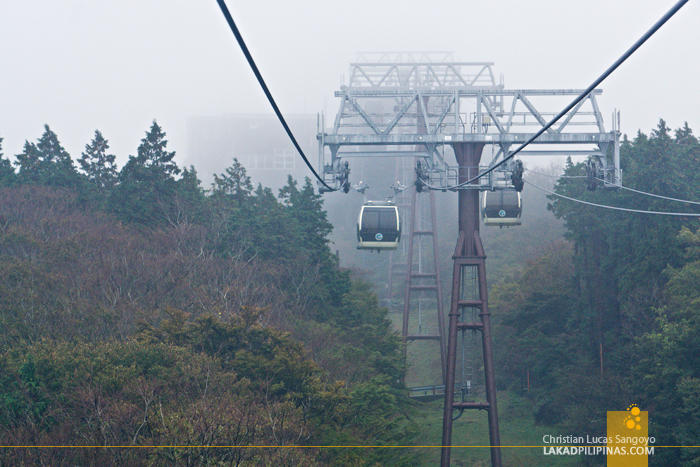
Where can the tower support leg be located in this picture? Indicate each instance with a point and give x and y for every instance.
(469, 253)
(423, 281)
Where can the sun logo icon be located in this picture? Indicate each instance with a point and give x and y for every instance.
(632, 421)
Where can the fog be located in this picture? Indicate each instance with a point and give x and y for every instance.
(81, 65)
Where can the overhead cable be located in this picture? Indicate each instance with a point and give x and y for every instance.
(556, 176)
(587, 91)
(251, 62)
(617, 186)
(680, 214)
(652, 194)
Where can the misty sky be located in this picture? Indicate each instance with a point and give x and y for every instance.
(81, 65)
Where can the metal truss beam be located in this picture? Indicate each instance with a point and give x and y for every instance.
(457, 104)
(421, 73)
(385, 101)
(402, 139)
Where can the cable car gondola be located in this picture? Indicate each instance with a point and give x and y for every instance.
(378, 227)
(501, 207)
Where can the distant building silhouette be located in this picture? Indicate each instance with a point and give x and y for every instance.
(258, 141)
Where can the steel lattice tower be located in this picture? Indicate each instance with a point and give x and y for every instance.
(407, 105)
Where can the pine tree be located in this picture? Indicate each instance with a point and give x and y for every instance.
(152, 153)
(51, 150)
(46, 162)
(7, 173)
(234, 183)
(307, 208)
(28, 162)
(146, 191)
(99, 166)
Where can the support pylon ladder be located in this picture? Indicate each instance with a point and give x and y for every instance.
(469, 259)
(397, 259)
(420, 281)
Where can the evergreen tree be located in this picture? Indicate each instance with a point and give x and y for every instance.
(619, 260)
(29, 164)
(7, 173)
(307, 208)
(153, 155)
(99, 166)
(668, 368)
(234, 183)
(147, 189)
(190, 199)
(47, 163)
(620, 256)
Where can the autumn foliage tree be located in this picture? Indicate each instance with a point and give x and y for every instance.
(158, 315)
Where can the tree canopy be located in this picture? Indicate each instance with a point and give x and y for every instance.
(138, 309)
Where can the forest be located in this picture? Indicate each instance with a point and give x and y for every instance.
(608, 315)
(138, 308)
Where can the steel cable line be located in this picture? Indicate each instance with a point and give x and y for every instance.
(556, 176)
(585, 93)
(652, 194)
(617, 186)
(681, 214)
(251, 62)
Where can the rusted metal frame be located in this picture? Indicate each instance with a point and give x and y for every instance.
(472, 326)
(472, 405)
(423, 337)
(423, 287)
(469, 252)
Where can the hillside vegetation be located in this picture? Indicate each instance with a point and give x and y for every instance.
(609, 315)
(137, 309)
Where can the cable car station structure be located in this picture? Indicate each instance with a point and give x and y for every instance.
(442, 114)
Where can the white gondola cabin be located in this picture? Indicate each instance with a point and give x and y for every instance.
(501, 207)
(378, 227)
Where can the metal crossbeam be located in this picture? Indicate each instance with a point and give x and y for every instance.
(428, 103)
(456, 102)
(421, 73)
